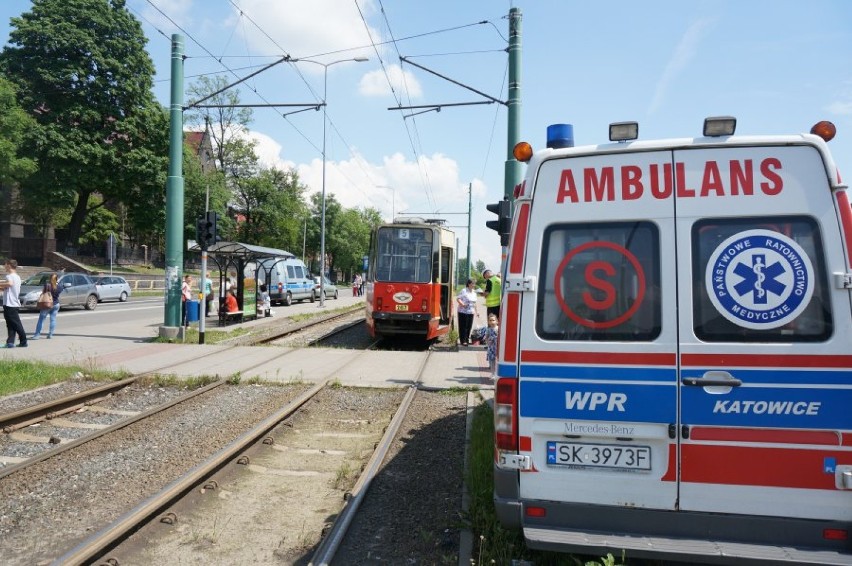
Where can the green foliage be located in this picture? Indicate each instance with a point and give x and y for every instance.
(14, 123)
(88, 87)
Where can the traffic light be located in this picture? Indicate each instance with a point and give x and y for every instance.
(503, 224)
(206, 230)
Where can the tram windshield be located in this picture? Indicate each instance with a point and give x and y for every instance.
(404, 254)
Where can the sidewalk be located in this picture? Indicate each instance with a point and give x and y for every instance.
(128, 347)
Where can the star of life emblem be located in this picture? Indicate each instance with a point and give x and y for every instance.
(759, 279)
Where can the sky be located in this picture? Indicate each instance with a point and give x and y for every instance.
(778, 66)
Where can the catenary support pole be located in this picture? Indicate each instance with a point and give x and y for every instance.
(513, 169)
(174, 195)
(469, 213)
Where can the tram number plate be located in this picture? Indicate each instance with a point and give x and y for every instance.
(615, 456)
(402, 307)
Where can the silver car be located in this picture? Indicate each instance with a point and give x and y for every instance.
(112, 288)
(329, 288)
(78, 290)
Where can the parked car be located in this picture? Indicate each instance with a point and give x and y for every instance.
(78, 290)
(112, 288)
(330, 288)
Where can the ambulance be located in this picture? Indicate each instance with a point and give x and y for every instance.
(675, 361)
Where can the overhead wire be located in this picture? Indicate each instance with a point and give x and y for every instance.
(310, 88)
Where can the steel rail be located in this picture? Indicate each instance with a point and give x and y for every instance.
(328, 546)
(36, 413)
(94, 546)
(119, 425)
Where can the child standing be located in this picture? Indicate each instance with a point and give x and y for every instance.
(492, 332)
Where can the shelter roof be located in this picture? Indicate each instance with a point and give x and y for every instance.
(244, 251)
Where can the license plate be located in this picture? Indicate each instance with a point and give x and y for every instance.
(615, 456)
(402, 307)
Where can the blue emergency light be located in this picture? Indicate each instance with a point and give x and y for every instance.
(560, 135)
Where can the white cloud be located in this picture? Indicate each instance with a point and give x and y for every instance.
(684, 52)
(176, 10)
(375, 83)
(305, 29)
(841, 107)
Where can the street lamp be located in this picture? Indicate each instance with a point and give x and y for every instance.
(393, 199)
(325, 67)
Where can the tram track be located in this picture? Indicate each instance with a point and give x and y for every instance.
(50, 410)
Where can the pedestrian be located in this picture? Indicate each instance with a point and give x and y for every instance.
(11, 286)
(466, 301)
(208, 294)
(186, 296)
(492, 292)
(265, 301)
(231, 302)
(492, 334)
(356, 285)
(54, 289)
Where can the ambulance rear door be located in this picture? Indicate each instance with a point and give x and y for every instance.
(597, 378)
(766, 371)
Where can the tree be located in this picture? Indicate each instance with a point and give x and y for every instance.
(227, 123)
(350, 237)
(14, 123)
(83, 73)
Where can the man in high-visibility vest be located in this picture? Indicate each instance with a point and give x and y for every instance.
(492, 292)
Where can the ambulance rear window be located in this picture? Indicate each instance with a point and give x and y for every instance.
(600, 281)
(759, 279)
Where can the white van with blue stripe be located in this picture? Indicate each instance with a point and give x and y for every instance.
(675, 361)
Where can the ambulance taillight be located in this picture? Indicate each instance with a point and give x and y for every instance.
(506, 414)
(835, 534)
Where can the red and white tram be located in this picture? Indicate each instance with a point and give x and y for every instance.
(411, 279)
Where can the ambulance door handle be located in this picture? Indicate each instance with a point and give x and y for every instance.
(713, 378)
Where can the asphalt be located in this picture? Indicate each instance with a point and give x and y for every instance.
(127, 346)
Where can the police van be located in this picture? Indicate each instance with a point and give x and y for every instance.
(675, 357)
(286, 278)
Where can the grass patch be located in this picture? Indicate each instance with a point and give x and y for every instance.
(23, 375)
(494, 544)
(210, 336)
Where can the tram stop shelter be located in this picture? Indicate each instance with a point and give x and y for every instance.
(232, 259)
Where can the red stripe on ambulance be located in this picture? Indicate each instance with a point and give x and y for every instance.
(603, 358)
(769, 436)
(765, 360)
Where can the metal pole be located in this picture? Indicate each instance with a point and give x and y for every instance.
(174, 195)
(469, 213)
(322, 223)
(513, 169)
(202, 305)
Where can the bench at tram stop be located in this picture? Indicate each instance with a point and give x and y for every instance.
(226, 318)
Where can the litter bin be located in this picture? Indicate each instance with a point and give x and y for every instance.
(192, 311)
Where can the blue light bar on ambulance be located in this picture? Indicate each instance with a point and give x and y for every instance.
(623, 131)
(560, 135)
(719, 126)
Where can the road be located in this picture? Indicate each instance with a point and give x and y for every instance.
(142, 316)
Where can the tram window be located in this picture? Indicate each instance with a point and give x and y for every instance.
(600, 282)
(756, 282)
(404, 254)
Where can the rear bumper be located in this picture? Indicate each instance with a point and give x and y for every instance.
(684, 536)
(401, 323)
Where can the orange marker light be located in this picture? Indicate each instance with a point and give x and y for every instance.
(825, 129)
(523, 151)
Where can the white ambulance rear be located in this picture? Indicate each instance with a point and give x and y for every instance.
(675, 365)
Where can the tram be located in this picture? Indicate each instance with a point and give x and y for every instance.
(411, 278)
